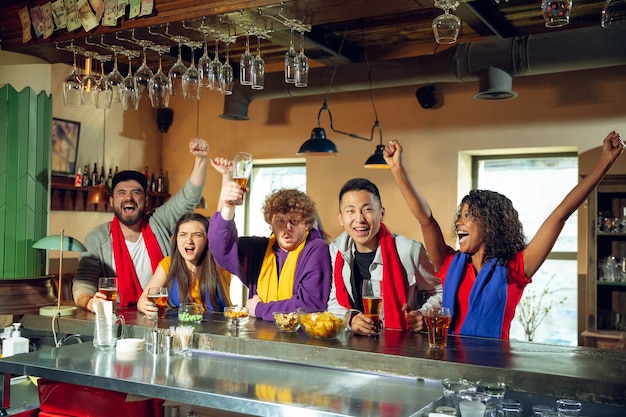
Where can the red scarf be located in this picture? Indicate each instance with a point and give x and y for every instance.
(129, 287)
(393, 287)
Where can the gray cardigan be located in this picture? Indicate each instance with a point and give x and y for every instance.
(98, 261)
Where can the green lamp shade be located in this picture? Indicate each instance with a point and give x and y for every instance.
(377, 161)
(318, 144)
(53, 242)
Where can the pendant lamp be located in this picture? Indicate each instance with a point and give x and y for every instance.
(318, 144)
(377, 160)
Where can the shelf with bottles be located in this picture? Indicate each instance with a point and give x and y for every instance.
(64, 195)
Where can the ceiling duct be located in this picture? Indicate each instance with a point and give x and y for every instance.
(495, 84)
(546, 53)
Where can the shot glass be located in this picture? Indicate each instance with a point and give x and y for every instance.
(566, 407)
(437, 324)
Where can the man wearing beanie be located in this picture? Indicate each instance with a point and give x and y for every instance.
(131, 246)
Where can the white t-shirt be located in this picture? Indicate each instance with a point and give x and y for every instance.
(141, 260)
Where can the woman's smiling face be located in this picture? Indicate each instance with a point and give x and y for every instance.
(468, 231)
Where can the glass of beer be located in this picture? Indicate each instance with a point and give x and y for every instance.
(108, 287)
(372, 301)
(437, 324)
(242, 168)
(158, 296)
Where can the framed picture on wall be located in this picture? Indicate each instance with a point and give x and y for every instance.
(65, 135)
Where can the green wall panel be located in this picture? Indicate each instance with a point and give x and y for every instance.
(25, 136)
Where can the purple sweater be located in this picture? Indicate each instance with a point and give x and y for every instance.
(244, 256)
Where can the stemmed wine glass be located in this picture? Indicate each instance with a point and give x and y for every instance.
(215, 70)
(104, 92)
(177, 70)
(204, 65)
(192, 77)
(159, 86)
(88, 83)
(446, 27)
(226, 80)
(128, 92)
(115, 79)
(71, 84)
(302, 65)
(245, 64)
(258, 68)
(290, 62)
(143, 74)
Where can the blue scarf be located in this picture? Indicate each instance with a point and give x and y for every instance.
(174, 297)
(487, 299)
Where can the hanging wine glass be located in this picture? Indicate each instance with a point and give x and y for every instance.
(215, 71)
(302, 65)
(192, 77)
(226, 80)
(258, 68)
(245, 64)
(204, 65)
(143, 76)
(128, 92)
(177, 71)
(71, 84)
(115, 79)
(290, 62)
(88, 83)
(446, 27)
(104, 92)
(159, 86)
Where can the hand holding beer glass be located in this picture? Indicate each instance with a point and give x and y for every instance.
(158, 296)
(437, 323)
(372, 302)
(242, 168)
(108, 287)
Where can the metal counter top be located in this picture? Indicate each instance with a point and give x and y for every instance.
(592, 375)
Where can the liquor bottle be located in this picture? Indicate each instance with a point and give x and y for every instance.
(94, 175)
(147, 173)
(78, 180)
(116, 171)
(86, 176)
(110, 179)
(160, 182)
(153, 183)
(102, 180)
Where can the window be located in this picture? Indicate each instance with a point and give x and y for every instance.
(536, 184)
(266, 178)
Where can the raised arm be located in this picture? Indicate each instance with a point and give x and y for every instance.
(433, 237)
(200, 150)
(540, 246)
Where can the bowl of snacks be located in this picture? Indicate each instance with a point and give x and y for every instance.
(323, 324)
(190, 313)
(236, 315)
(286, 322)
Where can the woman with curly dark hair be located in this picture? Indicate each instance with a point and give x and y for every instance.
(287, 270)
(484, 280)
(190, 273)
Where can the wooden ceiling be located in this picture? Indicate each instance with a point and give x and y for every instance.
(340, 31)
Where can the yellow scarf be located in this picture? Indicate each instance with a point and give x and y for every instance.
(270, 287)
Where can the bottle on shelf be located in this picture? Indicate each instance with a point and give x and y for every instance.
(160, 182)
(78, 179)
(147, 173)
(116, 171)
(86, 176)
(153, 183)
(94, 175)
(103, 179)
(110, 178)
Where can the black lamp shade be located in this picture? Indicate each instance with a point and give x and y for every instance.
(318, 144)
(377, 160)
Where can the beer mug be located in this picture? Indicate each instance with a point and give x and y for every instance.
(106, 331)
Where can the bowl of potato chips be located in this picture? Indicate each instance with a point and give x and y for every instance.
(323, 324)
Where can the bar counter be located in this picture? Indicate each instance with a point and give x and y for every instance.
(260, 371)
